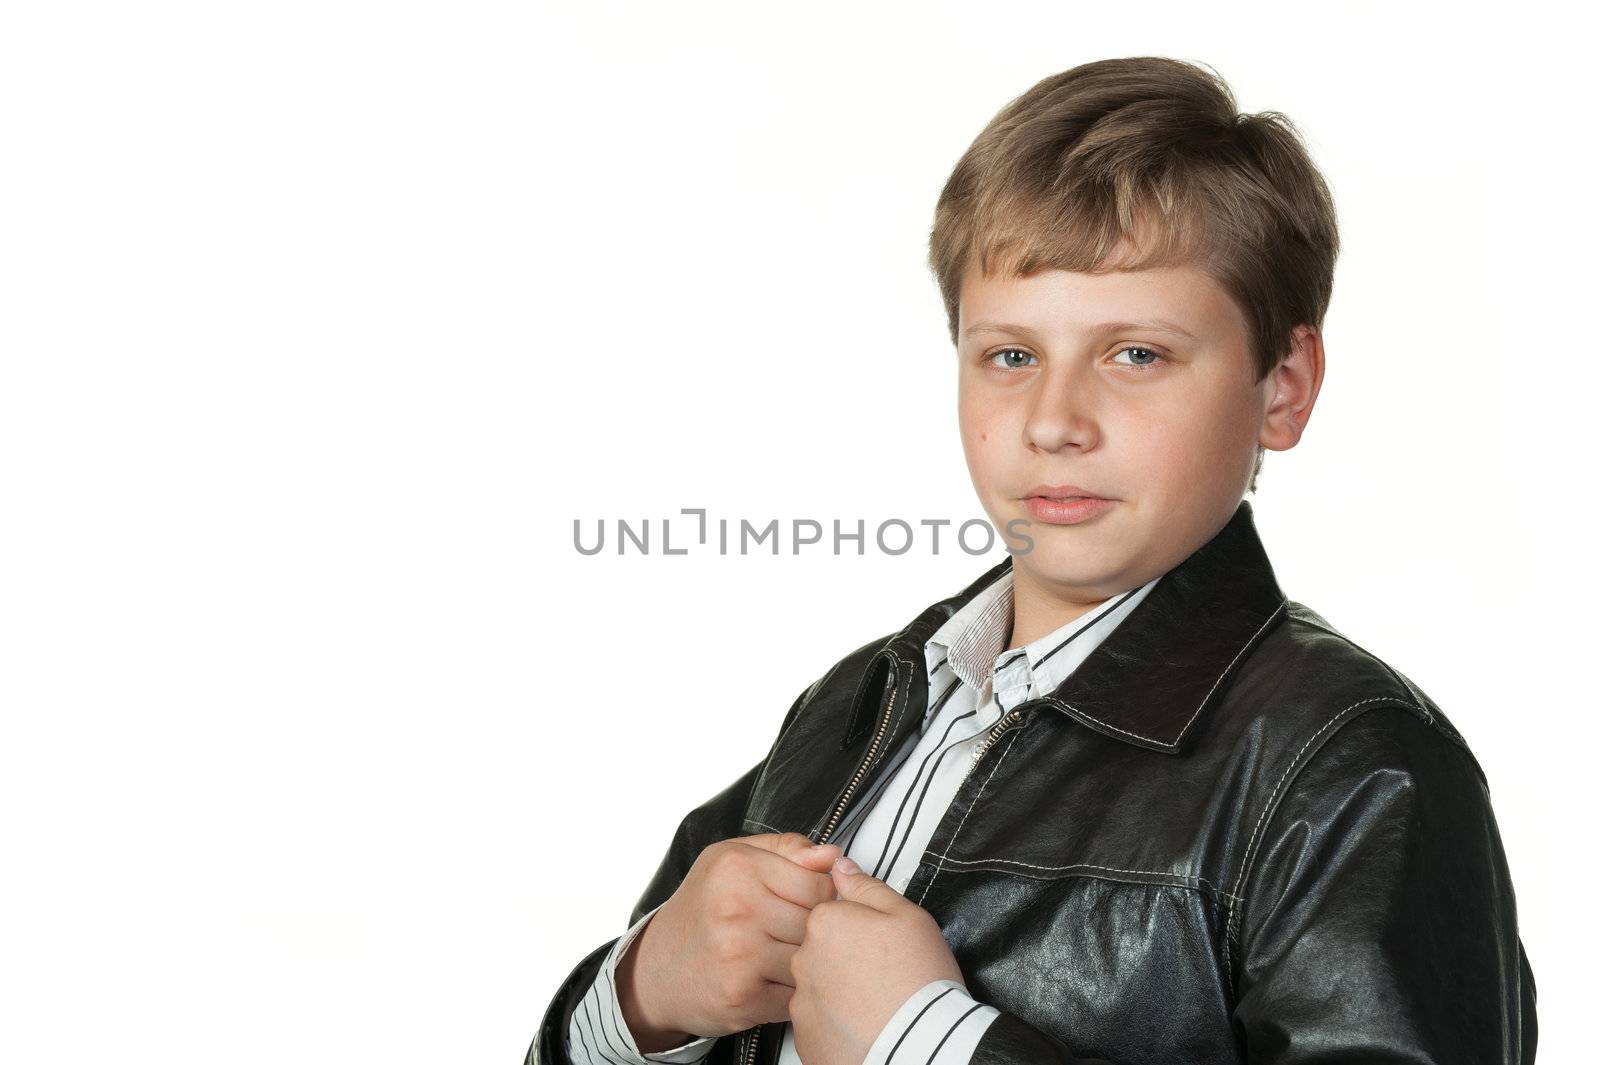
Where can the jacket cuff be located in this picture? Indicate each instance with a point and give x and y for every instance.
(549, 1046)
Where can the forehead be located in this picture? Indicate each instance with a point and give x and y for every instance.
(1064, 302)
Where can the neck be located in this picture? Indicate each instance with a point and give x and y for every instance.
(1039, 607)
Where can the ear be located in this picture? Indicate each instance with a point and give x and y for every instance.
(1291, 390)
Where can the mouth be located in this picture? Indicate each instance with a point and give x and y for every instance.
(1065, 504)
(1062, 493)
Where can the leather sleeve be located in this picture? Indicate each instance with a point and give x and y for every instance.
(1376, 917)
(1009, 1039)
(718, 818)
(549, 1045)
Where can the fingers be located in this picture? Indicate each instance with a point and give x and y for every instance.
(781, 843)
(773, 965)
(795, 883)
(784, 921)
(818, 859)
(773, 1001)
(777, 842)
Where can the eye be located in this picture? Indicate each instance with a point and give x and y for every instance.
(1007, 365)
(1155, 355)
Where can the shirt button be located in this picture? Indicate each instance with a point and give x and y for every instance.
(900, 883)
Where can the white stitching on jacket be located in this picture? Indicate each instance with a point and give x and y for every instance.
(1251, 642)
(1229, 929)
(975, 800)
(1084, 865)
(1183, 731)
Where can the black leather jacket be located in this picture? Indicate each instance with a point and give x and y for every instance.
(1230, 835)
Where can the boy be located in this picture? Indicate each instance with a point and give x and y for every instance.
(1119, 800)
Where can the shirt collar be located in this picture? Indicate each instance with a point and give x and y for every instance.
(972, 643)
(1150, 681)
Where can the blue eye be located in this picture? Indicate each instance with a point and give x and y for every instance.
(1147, 351)
(1011, 351)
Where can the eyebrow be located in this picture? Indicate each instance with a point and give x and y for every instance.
(1103, 327)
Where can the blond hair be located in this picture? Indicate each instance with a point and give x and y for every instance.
(1147, 159)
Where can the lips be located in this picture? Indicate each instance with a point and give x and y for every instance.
(1066, 511)
(1063, 492)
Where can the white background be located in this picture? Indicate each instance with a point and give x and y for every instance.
(322, 322)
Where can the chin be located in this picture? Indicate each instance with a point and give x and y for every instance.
(1061, 564)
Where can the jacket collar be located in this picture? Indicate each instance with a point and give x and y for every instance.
(1151, 679)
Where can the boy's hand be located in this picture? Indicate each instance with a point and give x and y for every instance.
(861, 957)
(715, 958)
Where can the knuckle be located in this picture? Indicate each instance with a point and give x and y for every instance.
(726, 907)
(712, 856)
(735, 858)
(724, 949)
(726, 996)
(732, 992)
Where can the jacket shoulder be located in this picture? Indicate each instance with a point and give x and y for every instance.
(1306, 678)
(1379, 837)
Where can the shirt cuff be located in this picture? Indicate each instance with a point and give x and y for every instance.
(598, 1034)
(940, 1024)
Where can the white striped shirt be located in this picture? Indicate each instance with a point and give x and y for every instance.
(973, 680)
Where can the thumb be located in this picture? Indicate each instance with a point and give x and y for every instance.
(856, 886)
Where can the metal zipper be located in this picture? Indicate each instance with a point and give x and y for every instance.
(994, 733)
(872, 750)
(747, 1052)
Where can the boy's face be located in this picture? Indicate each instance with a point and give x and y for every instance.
(1164, 426)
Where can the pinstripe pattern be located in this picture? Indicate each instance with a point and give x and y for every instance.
(976, 677)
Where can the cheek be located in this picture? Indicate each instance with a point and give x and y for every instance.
(983, 410)
(1182, 442)
(973, 419)
(982, 432)
(981, 439)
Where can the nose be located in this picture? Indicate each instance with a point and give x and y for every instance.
(1061, 412)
